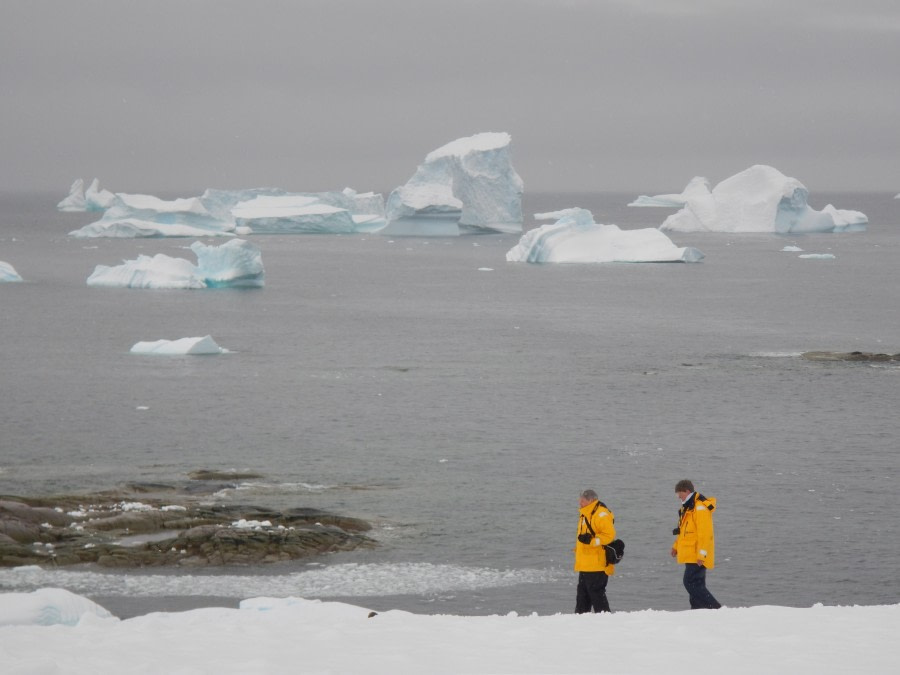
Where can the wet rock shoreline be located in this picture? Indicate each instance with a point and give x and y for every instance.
(159, 525)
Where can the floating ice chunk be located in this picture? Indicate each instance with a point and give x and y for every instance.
(182, 346)
(467, 184)
(131, 215)
(292, 214)
(8, 272)
(760, 199)
(236, 263)
(47, 607)
(792, 249)
(817, 256)
(576, 238)
(698, 187)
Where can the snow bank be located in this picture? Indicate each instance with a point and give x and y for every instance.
(182, 346)
(466, 185)
(289, 635)
(8, 272)
(45, 607)
(576, 238)
(760, 199)
(234, 264)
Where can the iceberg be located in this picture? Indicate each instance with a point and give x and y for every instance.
(130, 215)
(467, 185)
(697, 188)
(48, 607)
(344, 212)
(234, 264)
(8, 272)
(576, 238)
(92, 199)
(760, 199)
(181, 347)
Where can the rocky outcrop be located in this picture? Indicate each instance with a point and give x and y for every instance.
(849, 356)
(167, 527)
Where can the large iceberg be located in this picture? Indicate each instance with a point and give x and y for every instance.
(181, 347)
(697, 188)
(8, 272)
(467, 185)
(760, 199)
(47, 607)
(576, 238)
(234, 264)
(227, 212)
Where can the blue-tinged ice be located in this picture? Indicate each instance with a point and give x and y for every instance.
(180, 347)
(92, 199)
(698, 187)
(344, 212)
(576, 238)
(467, 185)
(760, 199)
(47, 607)
(234, 264)
(8, 272)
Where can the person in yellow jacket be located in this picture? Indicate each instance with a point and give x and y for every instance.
(695, 545)
(596, 528)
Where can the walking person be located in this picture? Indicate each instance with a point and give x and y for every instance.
(695, 544)
(596, 529)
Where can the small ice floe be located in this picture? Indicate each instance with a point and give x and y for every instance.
(817, 256)
(792, 249)
(485, 269)
(182, 346)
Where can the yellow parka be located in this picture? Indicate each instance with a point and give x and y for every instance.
(592, 557)
(695, 542)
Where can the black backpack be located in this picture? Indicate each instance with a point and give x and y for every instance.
(615, 550)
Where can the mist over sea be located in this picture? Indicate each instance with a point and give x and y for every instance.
(461, 403)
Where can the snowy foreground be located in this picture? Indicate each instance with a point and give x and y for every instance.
(292, 635)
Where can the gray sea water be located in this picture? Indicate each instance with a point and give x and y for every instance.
(461, 403)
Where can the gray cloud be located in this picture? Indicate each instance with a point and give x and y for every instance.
(640, 95)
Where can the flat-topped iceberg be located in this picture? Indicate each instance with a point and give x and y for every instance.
(227, 212)
(8, 272)
(576, 238)
(467, 185)
(760, 199)
(698, 187)
(180, 347)
(234, 264)
(342, 212)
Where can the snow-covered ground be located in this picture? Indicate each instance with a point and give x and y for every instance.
(292, 635)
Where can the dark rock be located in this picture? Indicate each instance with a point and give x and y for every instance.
(849, 356)
(208, 474)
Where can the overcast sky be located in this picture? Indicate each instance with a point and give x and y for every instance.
(175, 96)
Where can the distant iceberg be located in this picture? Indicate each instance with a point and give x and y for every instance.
(8, 272)
(344, 212)
(760, 199)
(182, 346)
(48, 607)
(576, 238)
(92, 199)
(228, 212)
(697, 188)
(467, 185)
(234, 264)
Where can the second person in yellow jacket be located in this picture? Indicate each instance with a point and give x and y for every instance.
(596, 528)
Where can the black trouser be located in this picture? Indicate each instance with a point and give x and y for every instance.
(695, 583)
(591, 593)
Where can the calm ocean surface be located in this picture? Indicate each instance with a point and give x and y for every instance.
(461, 403)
